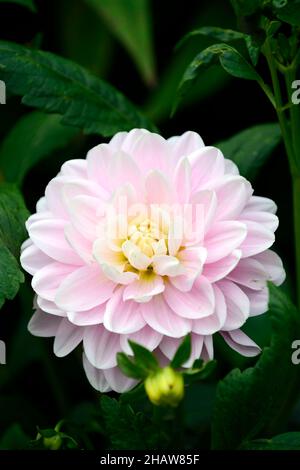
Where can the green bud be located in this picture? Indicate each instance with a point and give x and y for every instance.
(165, 387)
(52, 443)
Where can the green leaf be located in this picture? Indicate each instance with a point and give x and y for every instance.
(57, 85)
(246, 7)
(25, 3)
(288, 11)
(201, 373)
(33, 138)
(226, 35)
(287, 441)
(13, 214)
(229, 58)
(257, 401)
(251, 148)
(143, 357)
(183, 353)
(126, 429)
(14, 438)
(130, 22)
(129, 368)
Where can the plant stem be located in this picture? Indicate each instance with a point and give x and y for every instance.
(291, 138)
(296, 203)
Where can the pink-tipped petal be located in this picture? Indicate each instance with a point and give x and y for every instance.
(241, 343)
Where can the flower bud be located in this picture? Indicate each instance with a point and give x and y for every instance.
(52, 443)
(165, 387)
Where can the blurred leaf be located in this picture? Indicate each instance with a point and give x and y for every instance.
(203, 372)
(13, 214)
(257, 401)
(33, 138)
(210, 82)
(130, 368)
(25, 3)
(251, 148)
(229, 58)
(126, 429)
(130, 22)
(183, 353)
(85, 39)
(143, 357)
(288, 11)
(57, 85)
(246, 7)
(287, 441)
(14, 438)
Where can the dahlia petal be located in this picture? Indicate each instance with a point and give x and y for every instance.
(221, 268)
(223, 238)
(32, 259)
(230, 167)
(214, 322)
(136, 258)
(101, 346)
(94, 316)
(238, 305)
(67, 338)
(117, 277)
(95, 376)
(166, 265)
(240, 342)
(208, 348)
(84, 289)
(273, 265)
(118, 381)
(185, 144)
(43, 324)
(267, 219)
(159, 316)
(259, 300)
(48, 279)
(76, 167)
(116, 142)
(147, 337)
(206, 202)
(258, 239)
(182, 180)
(199, 302)
(80, 244)
(175, 235)
(207, 165)
(49, 307)
(41, 205)
(258, 204)
(84, 212)
(158, 188)
(122, 316)
(146, 286)
(48, 236)
(233, 192)
(150, 151)
(192, 259)
(249, 273)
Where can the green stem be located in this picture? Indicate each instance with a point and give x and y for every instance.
(285, 131)
(296, 203)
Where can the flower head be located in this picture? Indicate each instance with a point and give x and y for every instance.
(165, 387)
(149, 239)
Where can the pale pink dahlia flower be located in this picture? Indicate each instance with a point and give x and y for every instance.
(193, 258)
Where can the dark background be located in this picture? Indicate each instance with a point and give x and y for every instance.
(35, 386)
